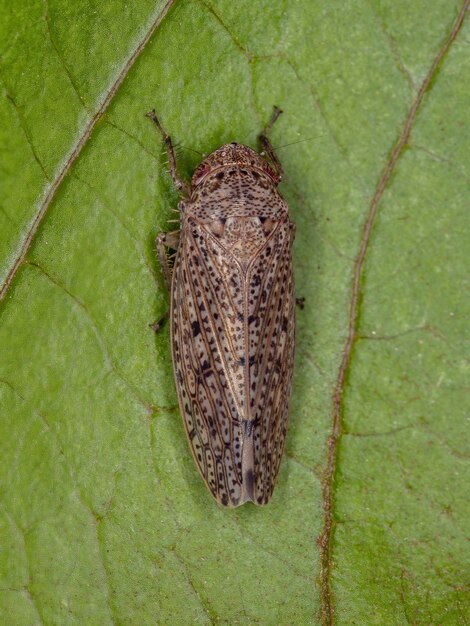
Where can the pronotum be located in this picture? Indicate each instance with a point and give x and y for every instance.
(232, 316)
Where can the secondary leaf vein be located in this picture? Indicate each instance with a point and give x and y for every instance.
(324, 541)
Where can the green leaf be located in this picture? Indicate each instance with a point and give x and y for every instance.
(103, 517)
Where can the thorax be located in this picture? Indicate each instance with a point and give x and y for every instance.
(239, 208)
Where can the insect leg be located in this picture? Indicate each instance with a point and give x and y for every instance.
(164, 242)
(179, 183)
(156, 326)
(267, 146)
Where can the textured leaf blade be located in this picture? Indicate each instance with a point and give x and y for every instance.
(104, 517)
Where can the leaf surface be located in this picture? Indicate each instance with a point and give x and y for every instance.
(103, 517)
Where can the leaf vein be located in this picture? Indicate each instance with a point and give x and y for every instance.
(204, 602)
(136, 393)
(27, 134)
(325, 539)
(320, 108)
(61, 58)
(51, 190)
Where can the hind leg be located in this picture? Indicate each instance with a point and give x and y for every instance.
(165, 242)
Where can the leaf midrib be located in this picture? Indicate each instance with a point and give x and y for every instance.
(52, 188)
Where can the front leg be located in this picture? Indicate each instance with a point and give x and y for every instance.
(267, 146)
(165, 242)
(179, 183)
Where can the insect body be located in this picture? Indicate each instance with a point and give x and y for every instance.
(232, 318)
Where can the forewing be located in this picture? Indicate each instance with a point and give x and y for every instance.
(206, 357)
(271, 316)
(232, 342)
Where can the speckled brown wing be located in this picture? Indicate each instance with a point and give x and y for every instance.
(232, 344)
(271, 340)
